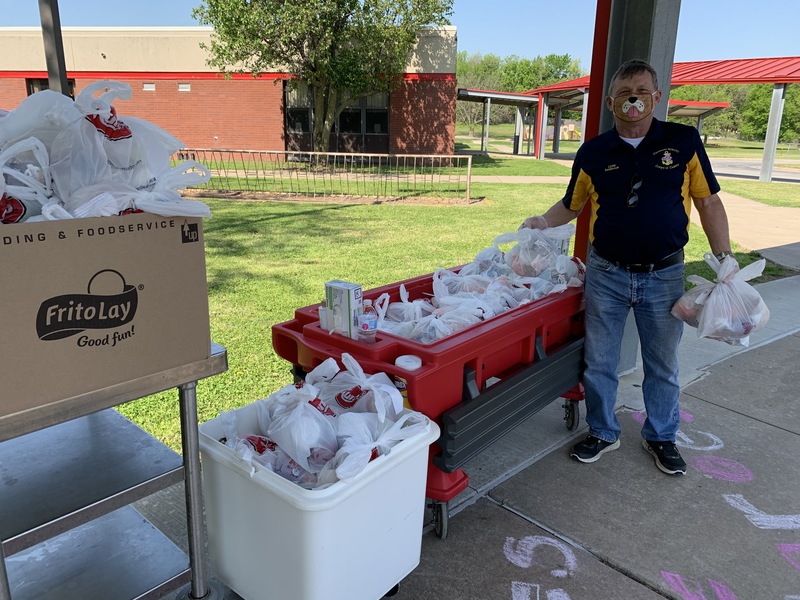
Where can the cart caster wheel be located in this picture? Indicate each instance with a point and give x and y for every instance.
(572, 414)
(441, 519)
(392, 591)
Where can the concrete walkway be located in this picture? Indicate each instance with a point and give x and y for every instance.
(771, 230)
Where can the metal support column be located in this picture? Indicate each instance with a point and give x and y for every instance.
(773, 131)
(519, 125)
(53, 46)
(541, 133)
(644, 29)
(487, 113)
(557, 131)
(584, 112)
(198, 558)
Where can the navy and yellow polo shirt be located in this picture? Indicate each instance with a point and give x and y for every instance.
(673, 168)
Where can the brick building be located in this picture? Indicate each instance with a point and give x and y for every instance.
(173, 87)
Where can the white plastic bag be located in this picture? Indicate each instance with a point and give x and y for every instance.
(103, 147)
(351, 390)
(43, 115)
(24, 180)
(536, 249)
(489, 262)
(731, 309)
(363, 437)
(306, 435)
(407, 310)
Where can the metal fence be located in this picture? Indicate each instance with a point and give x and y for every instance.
(383, 176)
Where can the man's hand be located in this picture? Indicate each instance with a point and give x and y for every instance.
(535, 222)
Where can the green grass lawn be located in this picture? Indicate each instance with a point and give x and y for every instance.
(264, 259)
(772, 193)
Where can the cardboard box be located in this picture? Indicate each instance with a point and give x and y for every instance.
(88, 303)
(270, 539)
(343, 300)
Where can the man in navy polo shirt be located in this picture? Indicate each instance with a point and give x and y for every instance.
(639, 180)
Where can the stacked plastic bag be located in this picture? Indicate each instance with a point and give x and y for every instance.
(326, 428)
(727, 309)
(493, 283)
(63, 159)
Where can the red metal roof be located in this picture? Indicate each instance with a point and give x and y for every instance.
(693, 108)
(745, 70)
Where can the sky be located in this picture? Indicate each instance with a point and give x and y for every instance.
(707, 29)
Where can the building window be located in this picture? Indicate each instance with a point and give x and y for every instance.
(298, 108)
(149, 87)
(184, 87)
(350, 120)
(366, 116)
(376, 110)
(37, 85)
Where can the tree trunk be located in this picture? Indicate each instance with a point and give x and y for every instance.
(324, 117)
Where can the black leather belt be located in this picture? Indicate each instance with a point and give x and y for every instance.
(672, 259)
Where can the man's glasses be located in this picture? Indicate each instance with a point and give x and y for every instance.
(633, 197)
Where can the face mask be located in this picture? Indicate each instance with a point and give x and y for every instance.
(633, 108)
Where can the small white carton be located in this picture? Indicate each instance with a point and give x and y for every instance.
(343, 300)
(270, 539)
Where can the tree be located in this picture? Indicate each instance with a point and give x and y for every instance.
(755, 114)
(343, 50)
(509, 74)
(480, 72)
(725, 123)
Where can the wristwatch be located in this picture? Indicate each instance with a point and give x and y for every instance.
(722, 255)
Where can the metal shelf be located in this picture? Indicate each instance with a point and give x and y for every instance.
(50, 481)
(69, 471)
(119, 555)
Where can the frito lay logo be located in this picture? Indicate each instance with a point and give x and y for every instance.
(110, 126)
(109, 303)
(11, 209)
(348, 398)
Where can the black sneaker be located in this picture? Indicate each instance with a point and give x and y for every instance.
(591, 449)
(667, 457)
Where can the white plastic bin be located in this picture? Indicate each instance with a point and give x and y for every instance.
(270, 539)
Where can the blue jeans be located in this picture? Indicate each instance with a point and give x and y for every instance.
(610, 293)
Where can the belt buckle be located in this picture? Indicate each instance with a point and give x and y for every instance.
(640, 268)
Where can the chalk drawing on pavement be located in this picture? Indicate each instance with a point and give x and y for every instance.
(722, 468)
(761, 519)
(693, 590)
(520, 552)
(791, 552)
(531, 591)
(682, 439)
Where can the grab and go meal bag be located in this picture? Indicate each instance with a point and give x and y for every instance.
(728, 309)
